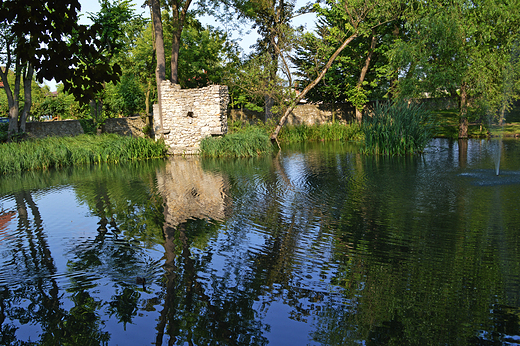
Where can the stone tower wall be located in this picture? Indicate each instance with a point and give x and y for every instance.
(189, 115)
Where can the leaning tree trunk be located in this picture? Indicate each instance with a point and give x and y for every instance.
(283, 119)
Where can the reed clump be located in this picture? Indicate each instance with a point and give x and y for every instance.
(397, 128)
(247, 142)
(84, 149)
(322, 132)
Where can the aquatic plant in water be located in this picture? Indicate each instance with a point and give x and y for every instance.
(67, 151)
(397, 128)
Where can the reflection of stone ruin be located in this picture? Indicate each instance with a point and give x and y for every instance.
(189, 115)
(189, 192)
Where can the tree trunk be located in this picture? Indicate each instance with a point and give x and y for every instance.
(160, 71)
(359, 115)
(268, 107)
(364, 70)
(179, 11)
(27, 92)
(159, 40)
(12, 98)
(147, 98)
(463, 122)
(283, 119)
(176, 43)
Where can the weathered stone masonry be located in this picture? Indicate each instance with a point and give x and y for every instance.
(189, 115)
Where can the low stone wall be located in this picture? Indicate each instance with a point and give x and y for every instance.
(130, 126)
(308, 114)
(316, 114)
(37, 129)
(189, 115)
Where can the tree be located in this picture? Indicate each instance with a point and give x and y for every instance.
(118, 25)
(459, 48)
(362, 17)
(357, 72)
(272, 19)
(44, 38)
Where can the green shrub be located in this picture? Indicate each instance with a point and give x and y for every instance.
(3, 131)
(89, 128)
(245, 143)
(397, 129)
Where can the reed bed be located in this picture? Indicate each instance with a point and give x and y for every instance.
(80, 150)
(323, 132)
(248, 142)
(397, 129)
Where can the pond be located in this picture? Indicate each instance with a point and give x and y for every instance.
(317, 245)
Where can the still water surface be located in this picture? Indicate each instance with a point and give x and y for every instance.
(317, 245)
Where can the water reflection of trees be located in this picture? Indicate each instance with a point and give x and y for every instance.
(32, 295)
(362, 251)
(415, 275)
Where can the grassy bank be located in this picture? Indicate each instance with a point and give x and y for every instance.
(67, 151)
(448, 125)
(249, 142)
(245, 140)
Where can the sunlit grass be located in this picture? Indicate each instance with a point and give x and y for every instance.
(246, 143)
(67, 151)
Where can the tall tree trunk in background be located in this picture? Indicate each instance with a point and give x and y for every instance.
(463, 122)
(160, 71)
(364, 70)
(27, 93)
(179, 12)
(273, 71)
(176, 44)
(147, 98)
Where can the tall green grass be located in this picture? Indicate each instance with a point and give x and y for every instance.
(248, 142)
(397, 129)
(323, 132)
(67, 151)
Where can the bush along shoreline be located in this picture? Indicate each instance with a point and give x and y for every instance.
(54, 152)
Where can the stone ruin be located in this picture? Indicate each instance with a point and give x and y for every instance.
(189, 115)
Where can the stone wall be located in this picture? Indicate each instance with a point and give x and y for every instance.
(189, 115)
(315, 114)
(308, 114)
(131, 126)
(53, 128)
